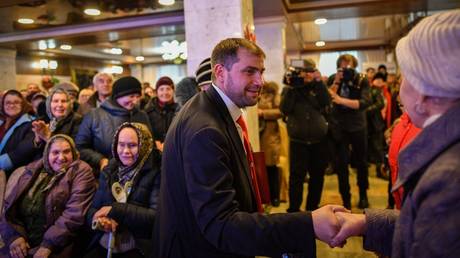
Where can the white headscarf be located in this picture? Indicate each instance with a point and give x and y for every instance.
(429, 56)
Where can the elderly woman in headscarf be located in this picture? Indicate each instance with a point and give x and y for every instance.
(46, 202)
(127, 198)
(15, 131)
(62, 118)
(429, 167)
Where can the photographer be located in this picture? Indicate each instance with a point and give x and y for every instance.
(304, 103)
(350, 95)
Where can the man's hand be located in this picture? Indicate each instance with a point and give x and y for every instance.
(350, 225)
(18, 248)
(42, 252)
(325, 222)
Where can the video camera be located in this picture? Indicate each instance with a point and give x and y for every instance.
(349, 75)
(293, 76)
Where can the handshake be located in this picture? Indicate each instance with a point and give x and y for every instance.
(333, 224)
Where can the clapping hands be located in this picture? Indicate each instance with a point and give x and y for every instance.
(333, 224)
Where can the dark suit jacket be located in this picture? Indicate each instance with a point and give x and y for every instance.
(207, 205)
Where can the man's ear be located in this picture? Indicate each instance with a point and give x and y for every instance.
(219, 72)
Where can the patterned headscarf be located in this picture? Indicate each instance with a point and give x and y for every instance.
(54, 121)
(46, 152)
(145, 149)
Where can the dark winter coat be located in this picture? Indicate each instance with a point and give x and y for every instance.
(95, 135)
(16, 146)
(160, 118)
(138, 214)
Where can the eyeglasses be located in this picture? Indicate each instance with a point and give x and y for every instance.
(13, 103)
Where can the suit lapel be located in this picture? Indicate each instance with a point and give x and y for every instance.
(232, 131)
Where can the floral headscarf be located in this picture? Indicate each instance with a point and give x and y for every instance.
(145, 149)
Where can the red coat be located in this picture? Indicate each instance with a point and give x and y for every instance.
(403, 133)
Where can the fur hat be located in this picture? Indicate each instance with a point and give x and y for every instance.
(429, 55)
(126, 86)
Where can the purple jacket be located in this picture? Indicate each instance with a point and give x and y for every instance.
(66, 203)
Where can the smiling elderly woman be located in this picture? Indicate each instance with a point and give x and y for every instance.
(46, 202)
(127, 198)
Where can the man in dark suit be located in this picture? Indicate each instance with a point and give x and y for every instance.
(209, 200)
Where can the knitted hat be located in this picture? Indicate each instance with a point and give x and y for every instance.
(126, 86)
(429, 55)
(203, 73)
(379, 76)
(165, 80)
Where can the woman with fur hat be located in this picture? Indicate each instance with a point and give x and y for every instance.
(46, 202)
(127, 197)
(429, 167)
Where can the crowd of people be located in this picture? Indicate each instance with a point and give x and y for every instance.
(135, 171)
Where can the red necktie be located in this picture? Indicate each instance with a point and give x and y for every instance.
(250, 158)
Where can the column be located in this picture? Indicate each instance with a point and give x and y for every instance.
(270, 33)
(207, 22)
(8, 69)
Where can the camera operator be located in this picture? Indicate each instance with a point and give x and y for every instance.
(304, 104)
(350, 96)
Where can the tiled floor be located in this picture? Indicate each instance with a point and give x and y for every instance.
(377, 198)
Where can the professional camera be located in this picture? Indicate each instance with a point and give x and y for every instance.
(348, 75)
(293, 76)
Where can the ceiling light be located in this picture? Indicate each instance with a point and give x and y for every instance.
(320, 21)
(114, 51)
(174, 49)
(66, 47)
(166, 2)
(92, 12)
(320, 43)
(42, 45)
(51, 44)
(25, 21)
(140, 58)
(43, 63)
(117, 69)
(52, 64)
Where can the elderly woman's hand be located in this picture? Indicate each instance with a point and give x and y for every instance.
(18, 248)
(107, 224)
(42, 252)
(41, 131)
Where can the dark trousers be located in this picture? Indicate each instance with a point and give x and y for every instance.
(306, 157)
(273, 182)
(358, 142)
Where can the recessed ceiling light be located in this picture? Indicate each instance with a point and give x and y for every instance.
(25, 21)
(320, 21)
(66, 47)
(140, 58)
(42, 45)
(116, 51)
(166, 2)
(51, 44)
(320, 43)
(92, 11)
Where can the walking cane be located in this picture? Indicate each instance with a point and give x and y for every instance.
(110, 244)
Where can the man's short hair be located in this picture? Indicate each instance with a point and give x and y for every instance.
(348, 58)
(370, 68)
(96, 77)
(226, 52)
